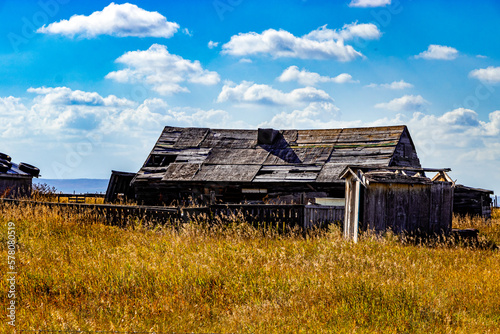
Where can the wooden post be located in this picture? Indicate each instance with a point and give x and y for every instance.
(356, 211)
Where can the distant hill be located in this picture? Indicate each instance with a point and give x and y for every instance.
(78, 186)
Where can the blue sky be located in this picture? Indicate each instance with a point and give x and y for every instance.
(88, 86)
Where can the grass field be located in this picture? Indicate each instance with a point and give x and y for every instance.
(76, 276)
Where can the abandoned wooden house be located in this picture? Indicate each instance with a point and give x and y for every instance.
(273, 166)
(400, 199)
(15, 179)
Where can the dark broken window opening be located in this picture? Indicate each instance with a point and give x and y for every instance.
(160, 160)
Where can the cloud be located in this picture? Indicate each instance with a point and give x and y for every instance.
(115, 20)
(316, 114)
(66, 113)
(66, 96)
(490, 74)
(307, 78)
(401, 84)
(72, 134)
(322, 43)
(212, 44)
(250, 93)
(348, 32)
(155, 114)
(439, 52)
(369, 3)
(405, 103)
(162, 70)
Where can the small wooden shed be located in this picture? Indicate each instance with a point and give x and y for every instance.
(399, 199)
(119, 186)
(15, 179)
(472, 201)
(468, 200)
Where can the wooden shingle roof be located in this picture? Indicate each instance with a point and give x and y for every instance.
(222, 155)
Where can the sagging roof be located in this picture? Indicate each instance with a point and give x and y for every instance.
(14, 171)
(267, 155)
(376, 174)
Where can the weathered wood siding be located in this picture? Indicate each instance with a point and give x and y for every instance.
(119, 183)
(405, 154)
(473, 202)
(15, 186)
(400, 207)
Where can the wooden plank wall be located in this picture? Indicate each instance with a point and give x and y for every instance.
(426, 208)
(15, 187)
(471, 202)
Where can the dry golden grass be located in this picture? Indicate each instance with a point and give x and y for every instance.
(78, 276)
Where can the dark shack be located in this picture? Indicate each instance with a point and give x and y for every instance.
(399, 199)
(265, 165)
(472, 201)
(467, 200)
(119, 187)
(15, 179)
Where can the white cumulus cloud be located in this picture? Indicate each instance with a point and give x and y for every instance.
(438, 52)
(405, 103)
(115, 20)
(316, 114)
(348, 32)
(369, 3)
(322, 43)
(162, 70)
(490, 74)
(401, 84)
(307, 78)
(67, 96)
(251, 93)
(212, 44)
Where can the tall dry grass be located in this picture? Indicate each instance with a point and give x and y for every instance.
(73, 275)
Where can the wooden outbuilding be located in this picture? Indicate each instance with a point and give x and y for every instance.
(399, 199)
(266, 165)
(472, 201)
(119, 187)
(468, 200)
(15, 179)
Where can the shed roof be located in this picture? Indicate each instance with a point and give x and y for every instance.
(223, 155)
(14, 171)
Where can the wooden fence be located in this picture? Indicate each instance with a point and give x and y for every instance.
(283, 217)
(79, 198)
(118, 215)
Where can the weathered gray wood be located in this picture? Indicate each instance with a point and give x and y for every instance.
(191, 137)
(181, 171)
(228, 173)
(237, 156)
